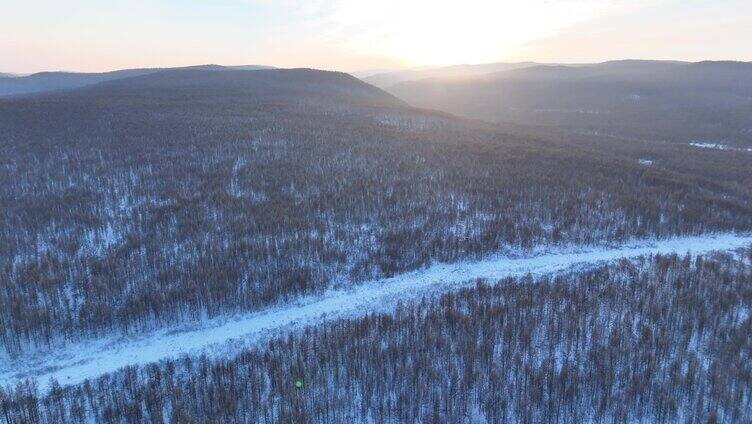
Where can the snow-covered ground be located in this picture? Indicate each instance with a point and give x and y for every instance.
(645, 162)
(76, 362)
(719, 146)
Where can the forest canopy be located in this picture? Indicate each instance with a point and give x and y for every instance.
(174, 196)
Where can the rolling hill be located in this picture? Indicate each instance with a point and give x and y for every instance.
(50, 81)
(388, 79)
(647, 100)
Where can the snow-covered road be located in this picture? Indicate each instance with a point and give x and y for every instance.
(76, 362)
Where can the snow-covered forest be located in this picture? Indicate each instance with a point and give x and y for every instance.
(350, 258)
(656, 339)
(182, 195)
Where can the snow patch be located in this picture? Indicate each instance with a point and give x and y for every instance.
(235, 187)
(576, 111)
(719, 146)
(97, 242)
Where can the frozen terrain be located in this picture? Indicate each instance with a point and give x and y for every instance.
(84, 360)
(646, 162)
(719, 146)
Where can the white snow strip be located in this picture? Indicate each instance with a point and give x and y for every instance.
(718, 146)
(85, 360)
(704, 145)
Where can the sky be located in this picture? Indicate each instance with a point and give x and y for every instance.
(355, 35)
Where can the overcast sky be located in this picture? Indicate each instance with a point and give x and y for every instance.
(351, 35)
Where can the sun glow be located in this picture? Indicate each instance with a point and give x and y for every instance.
(442, 32)
(352, 35)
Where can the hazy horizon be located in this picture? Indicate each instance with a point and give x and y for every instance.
(362, 35)
(368, 71)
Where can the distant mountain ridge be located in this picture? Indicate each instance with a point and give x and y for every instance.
(60, 80)
(387, 79)
(297, 87)
(660, 100)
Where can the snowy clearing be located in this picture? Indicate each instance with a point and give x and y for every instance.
(646, 162)
(718, 146)
(89, 359)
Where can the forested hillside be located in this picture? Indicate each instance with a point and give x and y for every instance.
(388, 79)
(11, 85)
(659, 101)
(186, 194)
(661, 339)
